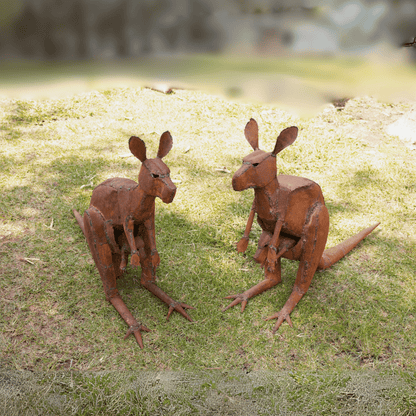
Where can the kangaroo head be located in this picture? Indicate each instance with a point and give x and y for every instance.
(154, 176)
(259, 167)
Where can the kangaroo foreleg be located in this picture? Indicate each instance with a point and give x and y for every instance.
(80, 220)
(243, 243)
(273, 254)
(128, 226)
(151, 238)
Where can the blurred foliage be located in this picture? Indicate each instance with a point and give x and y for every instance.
(9, 10)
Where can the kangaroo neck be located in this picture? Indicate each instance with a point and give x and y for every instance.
(266, 199)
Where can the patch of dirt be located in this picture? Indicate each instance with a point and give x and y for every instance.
(364, 118)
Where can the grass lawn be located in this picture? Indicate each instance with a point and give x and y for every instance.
(358, 318)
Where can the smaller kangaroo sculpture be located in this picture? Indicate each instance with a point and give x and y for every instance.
(292, 214)
(121, 221)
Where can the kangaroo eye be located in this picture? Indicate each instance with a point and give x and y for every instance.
(154, 175)
(255, 164)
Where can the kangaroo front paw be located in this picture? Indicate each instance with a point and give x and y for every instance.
(242, 245)
(135, 260)
(155, 259)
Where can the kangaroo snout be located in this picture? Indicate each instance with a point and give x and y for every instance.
(240, 180)
(169, 191)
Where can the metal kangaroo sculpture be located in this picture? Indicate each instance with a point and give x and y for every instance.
(121, 221)
(292, 214)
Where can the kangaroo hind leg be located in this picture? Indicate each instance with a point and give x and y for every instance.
(313, 242)
(106, 262)
(271, 278)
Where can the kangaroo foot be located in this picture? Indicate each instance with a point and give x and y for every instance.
(239, 298)
(134, 326)
(179, 307)
(173, 305)
(272, 279)
(283, 315)
(135, 330)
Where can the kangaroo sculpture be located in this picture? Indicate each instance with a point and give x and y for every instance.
(121, 221)
(294, 220)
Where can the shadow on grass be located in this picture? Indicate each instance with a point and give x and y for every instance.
(369, 287)
(350, 315)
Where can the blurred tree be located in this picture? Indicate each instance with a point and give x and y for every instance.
(73, 29)
(9, 10)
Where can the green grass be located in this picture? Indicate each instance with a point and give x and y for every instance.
(211, 392)
(358, 315)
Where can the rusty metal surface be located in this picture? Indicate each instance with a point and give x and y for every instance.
(120, 222)
(294, 220)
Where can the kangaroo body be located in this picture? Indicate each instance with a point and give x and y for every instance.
(115, 196)
(294, 219)
(120, 221)
(299, 194)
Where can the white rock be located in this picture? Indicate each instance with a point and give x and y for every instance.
(405, 129)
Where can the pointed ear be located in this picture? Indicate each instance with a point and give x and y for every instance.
(285, 139)
(138, 148)
(165, 144)
(252, 133)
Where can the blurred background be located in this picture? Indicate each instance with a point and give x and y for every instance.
(242, 48)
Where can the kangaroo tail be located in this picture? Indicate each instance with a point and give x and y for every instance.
(332, 255)
(80, 220)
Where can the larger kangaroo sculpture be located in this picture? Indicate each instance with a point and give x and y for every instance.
(121, 221)
(292, 214)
